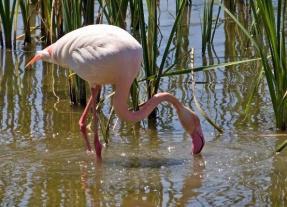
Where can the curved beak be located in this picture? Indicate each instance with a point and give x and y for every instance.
(33, 60)
(197, 140)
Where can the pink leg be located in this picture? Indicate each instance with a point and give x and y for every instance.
(83, 125)
(98, 146)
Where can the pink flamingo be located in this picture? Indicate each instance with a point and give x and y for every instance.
(105, 54)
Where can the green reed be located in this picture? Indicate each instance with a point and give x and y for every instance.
(134, 9)
(182, 50)
(1, 33)
(88, 7)
(45, 19)
(115, 11)
(275, 67)
(25, 10)
(152, 33)
(60, 17)
(207, 27)
(7, 12)
(268, 38)
(72, 19)
(166, 51)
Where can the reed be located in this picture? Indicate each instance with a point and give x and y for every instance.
(1, 33)
(72, 19)
(46, 10)
(182, 49)
(149, 38)
(88, 7)
(152, 33)
(166, 51)
(50, 12)
(115, 11)
(25, 10)
(134, 9)
(208, 24)
(268, 38)
(7, 12)
(275, 68)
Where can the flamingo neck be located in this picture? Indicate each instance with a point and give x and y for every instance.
(121, 106)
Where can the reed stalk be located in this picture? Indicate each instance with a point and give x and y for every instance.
(115, 11)
(25, 10)
(207, 27)
(7, 12)
(15, 23)
(275, 68)
(1, 33)
(72, 19)
(46, 10)
(134, 9)
(152, 33)
(182, 37)
(167, 48)
(150, 45)
(88, 11)
(207, 24)
(271, 26)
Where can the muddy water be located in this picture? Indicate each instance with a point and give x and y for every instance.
(43, 162)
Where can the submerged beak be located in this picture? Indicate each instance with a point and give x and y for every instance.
(197, 140)
(34, 59)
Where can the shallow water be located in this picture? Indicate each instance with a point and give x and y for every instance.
(43, 162)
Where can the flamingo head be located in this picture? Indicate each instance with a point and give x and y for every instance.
(41, 55)
(191, 124)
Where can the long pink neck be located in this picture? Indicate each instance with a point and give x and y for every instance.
(121, 106)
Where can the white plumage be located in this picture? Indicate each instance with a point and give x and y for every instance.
(105, 54)
(94, 51)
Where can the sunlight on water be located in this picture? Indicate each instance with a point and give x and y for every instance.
(150, 172)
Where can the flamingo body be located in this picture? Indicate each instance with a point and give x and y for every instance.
(105, 54)
(94, 51)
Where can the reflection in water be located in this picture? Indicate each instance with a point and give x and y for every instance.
(141, 189)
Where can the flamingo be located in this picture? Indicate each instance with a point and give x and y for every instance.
(105, 54)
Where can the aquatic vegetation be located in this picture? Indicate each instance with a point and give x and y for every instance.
(268, 38)
(275, 67)
(42, 153)
(207, 27)
(88, 7)
(26, 15)
(142, 18)
(72, 19)
(7, 13)
(115, 11)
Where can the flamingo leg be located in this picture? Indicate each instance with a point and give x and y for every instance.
(83, 124)
(95, 94)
